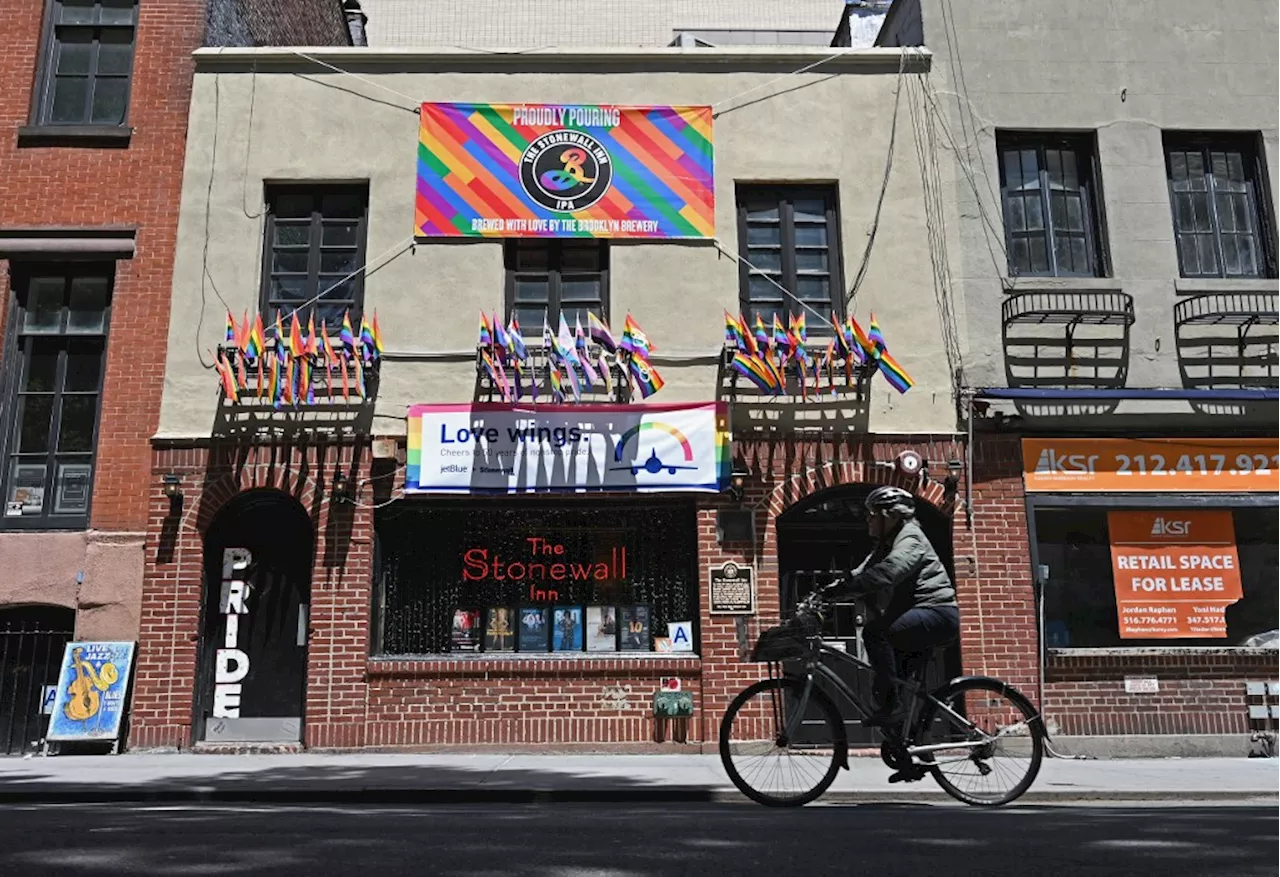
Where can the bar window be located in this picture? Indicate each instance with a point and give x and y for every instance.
(315, 250)
(498, 578)
(86, 63)
(1220, 206)
(1052, 209)
(59, 343)
(550, 278)
(791, 241)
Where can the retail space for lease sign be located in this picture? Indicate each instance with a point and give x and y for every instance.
(1175, 572)
(487, 448)
(565, 171)
(1209, 465)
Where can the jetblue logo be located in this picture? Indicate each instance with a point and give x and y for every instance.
(1053, 463)
(1161, 527)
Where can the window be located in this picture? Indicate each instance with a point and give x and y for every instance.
(1052, 207)
(315, 243)
(57, 354)
(792, 241)
(546, 278)
(87, 62)
(446, 571)
(1219, 204)
(1080, 602)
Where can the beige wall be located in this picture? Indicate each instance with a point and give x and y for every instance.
(829, 125)
(1125, 70)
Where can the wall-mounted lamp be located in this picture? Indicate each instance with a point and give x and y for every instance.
(342, 491)
(737, 483)
(172, 486)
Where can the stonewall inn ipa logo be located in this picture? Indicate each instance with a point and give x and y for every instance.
(566, 171)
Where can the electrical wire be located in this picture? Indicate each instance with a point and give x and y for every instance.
(824, 318)
(417, 102)
(205, 277)
(717, 112)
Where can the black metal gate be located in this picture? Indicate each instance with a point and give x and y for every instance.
(32, 639)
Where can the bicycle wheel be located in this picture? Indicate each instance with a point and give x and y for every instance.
(998, 736)
(766, 766)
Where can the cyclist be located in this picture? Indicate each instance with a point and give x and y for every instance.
(907, 587)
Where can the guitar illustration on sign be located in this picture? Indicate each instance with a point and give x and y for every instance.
(85, 700)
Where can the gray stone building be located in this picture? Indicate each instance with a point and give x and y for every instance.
(1105, 178)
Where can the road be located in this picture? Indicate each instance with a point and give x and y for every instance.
(884, 840)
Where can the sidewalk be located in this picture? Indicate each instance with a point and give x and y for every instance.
(439, 778)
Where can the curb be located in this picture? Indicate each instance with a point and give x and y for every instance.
(199, 795)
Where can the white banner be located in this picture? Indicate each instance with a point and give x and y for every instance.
(577, 448)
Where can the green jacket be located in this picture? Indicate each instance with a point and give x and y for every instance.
(906, 571)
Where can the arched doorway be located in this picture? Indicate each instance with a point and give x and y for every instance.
(32, 640)
(826, 532)
(253, 647)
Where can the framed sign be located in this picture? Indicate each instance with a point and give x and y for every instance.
(89, 703)
(565, 171)
(732, 589)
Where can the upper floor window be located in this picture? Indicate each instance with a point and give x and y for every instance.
(87, 62)
(56, 352)
(791, 235)
(547, 278)
(1052, 207)
(315, 250)
(1220, 206)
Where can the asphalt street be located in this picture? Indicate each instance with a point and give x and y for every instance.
(636, 841)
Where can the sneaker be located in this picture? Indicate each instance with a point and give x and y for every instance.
(889, 714)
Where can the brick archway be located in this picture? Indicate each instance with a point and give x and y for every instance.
(173, 581)
(802, 485)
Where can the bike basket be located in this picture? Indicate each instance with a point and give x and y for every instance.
(786, 641)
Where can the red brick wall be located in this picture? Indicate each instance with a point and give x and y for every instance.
(96, 186)
(162, 703)
(355, 701)
(1199, 693)
(993, 570)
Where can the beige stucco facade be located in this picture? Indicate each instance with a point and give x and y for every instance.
(263, 116)
(1126, 72)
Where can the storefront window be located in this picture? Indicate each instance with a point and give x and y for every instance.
(535, 576)
(1081, 609)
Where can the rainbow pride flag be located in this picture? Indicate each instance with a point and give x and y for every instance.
(646, 377)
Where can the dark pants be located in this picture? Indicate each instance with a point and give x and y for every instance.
(901, 646)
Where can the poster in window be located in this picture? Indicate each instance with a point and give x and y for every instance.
(533, 629)
(500, 631)
(466, 630)
(26, 497)
(72, 495)
(566, 631)
(602, 629)
(635, 629)
(1175, 572)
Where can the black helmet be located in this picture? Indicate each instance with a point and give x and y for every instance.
(891, 499)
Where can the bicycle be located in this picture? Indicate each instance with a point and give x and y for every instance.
(985, 716)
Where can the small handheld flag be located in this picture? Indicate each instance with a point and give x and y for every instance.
(646, 376)
(600, 333)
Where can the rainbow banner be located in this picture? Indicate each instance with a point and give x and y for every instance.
(496, 448)
(565, 171)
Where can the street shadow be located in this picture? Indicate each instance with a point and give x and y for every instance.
(640, 841)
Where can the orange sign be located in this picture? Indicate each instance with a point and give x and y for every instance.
(1175, 572)
(1166, 465)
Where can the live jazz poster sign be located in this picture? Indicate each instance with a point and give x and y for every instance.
(90, 700)
(565, 171)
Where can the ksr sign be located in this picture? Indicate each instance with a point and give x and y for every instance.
(1136, 465)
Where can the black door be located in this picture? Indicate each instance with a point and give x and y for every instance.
(32, 640)
(827, 533)
(258, 555)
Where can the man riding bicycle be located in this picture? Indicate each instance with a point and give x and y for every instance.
(908, 589)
